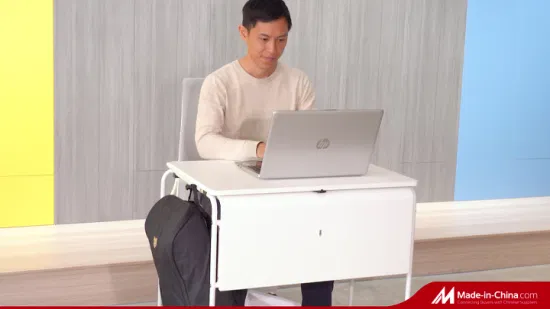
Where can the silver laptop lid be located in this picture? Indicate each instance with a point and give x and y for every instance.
(323, 143)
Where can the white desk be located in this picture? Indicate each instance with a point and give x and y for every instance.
(282, 232)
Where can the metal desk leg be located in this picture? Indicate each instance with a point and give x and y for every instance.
(408, 282)
(163, 183)
(162, 194)
(408, 286)
(159, 297)
(351, 288)
(213, 250)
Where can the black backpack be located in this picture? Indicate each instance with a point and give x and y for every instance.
(179, 237)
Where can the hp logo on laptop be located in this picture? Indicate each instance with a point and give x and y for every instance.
(323, 143)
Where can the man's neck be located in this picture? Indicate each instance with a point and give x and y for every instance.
(251, 68)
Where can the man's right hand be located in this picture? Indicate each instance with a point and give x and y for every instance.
(260, 150)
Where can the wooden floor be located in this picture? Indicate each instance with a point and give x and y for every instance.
(387, 292)
(110, 263)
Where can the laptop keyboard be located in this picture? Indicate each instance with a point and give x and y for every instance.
(256, 168)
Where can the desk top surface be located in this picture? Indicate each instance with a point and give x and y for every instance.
(222, 178)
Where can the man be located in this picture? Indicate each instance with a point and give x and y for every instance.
(237, 101)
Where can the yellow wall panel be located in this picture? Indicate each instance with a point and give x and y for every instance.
(26, 113)
(26, 200)
(26, 87)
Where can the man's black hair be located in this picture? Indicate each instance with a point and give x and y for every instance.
(264, 11)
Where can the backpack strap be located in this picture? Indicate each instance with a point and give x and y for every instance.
(197, 200)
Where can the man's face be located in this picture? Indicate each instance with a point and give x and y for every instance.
(266, 42)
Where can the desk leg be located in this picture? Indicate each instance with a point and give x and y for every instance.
(163, 183)
(351, 288)
(408, 282)
(162, 194)
(159, 297)
(213, 250)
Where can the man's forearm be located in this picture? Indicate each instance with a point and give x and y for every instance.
(218, 147)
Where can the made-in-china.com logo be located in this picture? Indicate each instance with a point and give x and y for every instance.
(443, 297)
(497, 297)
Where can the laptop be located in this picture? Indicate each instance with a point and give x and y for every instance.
(318, 143)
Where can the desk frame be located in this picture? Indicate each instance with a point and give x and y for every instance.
(214, 243)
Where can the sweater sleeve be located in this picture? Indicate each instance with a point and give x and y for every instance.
(306, 100)
(210, 142)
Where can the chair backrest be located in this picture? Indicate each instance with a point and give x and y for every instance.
(190, 92)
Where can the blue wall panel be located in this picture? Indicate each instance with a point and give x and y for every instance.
(504, 130)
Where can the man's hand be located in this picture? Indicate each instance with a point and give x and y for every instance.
(260, 150)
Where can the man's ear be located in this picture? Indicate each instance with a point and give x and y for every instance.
(243, 32)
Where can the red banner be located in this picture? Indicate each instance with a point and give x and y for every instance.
(474, 294)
